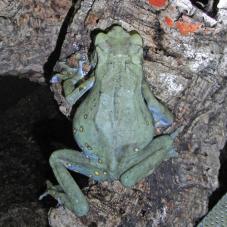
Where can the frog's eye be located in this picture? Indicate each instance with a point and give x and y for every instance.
(100, 38)
(137, 55)
(136, 39)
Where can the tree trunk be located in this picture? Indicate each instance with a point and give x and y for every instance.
(185, 63)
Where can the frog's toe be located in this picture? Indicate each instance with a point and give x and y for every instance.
(127, 181)
(43, 195)
(51, 190)
(163, 122)
(172, 153)
(59, 202)
(81, 209)
(50, 186)
(55, 79)
(78, 207)
(176, 133)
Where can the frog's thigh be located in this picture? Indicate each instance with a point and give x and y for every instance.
(161, 149)
(72, 197)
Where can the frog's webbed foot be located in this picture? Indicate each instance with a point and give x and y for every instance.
(68, 193)
(56, 192)
(51, 190)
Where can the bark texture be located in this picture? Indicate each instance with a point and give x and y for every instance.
(185, 64)
(28, 35)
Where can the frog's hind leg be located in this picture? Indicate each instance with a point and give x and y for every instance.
(160, 149)
(69, 193)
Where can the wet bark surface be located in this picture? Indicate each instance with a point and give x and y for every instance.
(185, 64)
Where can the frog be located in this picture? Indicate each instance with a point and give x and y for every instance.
(115, 123)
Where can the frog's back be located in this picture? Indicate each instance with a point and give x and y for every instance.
(113, 119)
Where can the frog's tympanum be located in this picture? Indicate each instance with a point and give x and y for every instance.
(115, 124)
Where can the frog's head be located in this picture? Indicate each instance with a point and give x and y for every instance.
(117, 42)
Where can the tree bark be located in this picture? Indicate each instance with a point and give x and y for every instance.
(185, 65)
(28, 34)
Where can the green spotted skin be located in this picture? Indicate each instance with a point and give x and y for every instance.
(114, 125)
(217, 217)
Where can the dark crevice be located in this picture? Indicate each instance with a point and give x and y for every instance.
(222, 189)
(54, 56)
(10, 86)
(31, 129)
(208, 6)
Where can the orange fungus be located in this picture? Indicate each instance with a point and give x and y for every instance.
(186, 28)
(169, 21)
(158, 3)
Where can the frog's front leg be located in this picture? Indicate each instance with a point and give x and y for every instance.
(69, 193)
(67, 72)
(158, 150)
(70, 82)
(79, 91)
(162, 116)
(70, 77)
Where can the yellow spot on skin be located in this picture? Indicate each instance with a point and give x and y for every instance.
(81, 129)
(100, 161)
(96, 173)
(85, 116)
